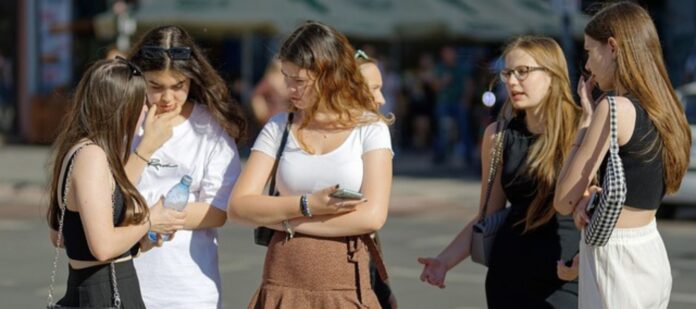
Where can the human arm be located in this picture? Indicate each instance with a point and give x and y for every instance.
(91, 191)
(53, 236)
(221, 172)
(367, 217)
(568, 273)
(436, 268)
(580, 169)
(249, 205)
(157, 129)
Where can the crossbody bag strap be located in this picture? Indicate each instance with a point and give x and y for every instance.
(376, 255)
(496, 158)
(279, 153)
(62, 204)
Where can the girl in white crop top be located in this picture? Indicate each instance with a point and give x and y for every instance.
(337, 137)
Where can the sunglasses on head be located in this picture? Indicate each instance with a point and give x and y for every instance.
(360, 54)
(134, 70)
(174, 53)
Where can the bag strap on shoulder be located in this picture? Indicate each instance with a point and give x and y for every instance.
(496, 159)
(63, 204)
(279, 153)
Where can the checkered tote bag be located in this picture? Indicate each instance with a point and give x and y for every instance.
(608, 207)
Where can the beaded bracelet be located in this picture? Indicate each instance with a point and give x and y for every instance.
(304, 206)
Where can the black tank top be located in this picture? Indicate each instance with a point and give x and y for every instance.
(75, 241)
(522, 267)
(642, 163)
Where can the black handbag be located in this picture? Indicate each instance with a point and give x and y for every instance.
(262, 234)
(485, 229)
(379, 284)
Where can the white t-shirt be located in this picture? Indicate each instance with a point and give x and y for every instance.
(183, 273)
(300, 172)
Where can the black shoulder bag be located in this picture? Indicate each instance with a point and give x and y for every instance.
(262, 234)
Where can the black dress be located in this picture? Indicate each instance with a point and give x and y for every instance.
(522, 270)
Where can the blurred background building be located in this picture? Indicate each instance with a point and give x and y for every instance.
(46, 44)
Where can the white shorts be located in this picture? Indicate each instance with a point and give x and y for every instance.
(631, 271)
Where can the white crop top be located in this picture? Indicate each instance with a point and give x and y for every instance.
(300, 172)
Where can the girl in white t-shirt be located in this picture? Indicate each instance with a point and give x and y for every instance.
(318, 257)
(189, 129)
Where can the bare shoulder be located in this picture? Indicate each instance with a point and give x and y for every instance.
(90, 161)
(624, 105)
(490, 130)
(625, 110)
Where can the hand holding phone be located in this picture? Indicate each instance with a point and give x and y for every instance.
(347, 194)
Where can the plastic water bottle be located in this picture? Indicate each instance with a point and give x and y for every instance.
(176, 199)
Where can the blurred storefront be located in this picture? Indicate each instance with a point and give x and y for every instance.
(46, 44)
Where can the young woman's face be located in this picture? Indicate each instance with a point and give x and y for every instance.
(600, 63)
(526, 81)
(373, 78)
(299, 82)
(167, 89)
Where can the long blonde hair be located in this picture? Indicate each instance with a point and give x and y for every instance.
(560, 116)
(641, 70)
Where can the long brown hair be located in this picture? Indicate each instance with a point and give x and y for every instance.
(104, 110)
(560, 116)
(207, 87)
(641, 70)
(339, 85)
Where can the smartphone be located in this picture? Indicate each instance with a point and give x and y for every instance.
(591, 202)
(347, 194)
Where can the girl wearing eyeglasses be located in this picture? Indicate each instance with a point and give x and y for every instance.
(319, 254)
(190, 128)
(99, 213)
(540, 118)
(624, 58)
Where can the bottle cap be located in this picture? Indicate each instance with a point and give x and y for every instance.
(186, 180)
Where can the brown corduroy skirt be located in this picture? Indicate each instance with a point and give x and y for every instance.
(315, 272)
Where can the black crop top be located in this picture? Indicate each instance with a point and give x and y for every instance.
(73, 232)
(642, 164)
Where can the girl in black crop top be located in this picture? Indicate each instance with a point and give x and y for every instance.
(625, 59)
(101, 216)
(534, 241)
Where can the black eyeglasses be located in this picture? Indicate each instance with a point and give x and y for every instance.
(174, 53)
(521, 72)
(134, 70)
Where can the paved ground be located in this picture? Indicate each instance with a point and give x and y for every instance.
(429, 206)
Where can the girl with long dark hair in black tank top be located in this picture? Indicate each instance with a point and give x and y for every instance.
(102, 216)
(540, 118)
(624, 57)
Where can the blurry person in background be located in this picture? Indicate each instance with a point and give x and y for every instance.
(373, 78)
(450, 108)
(270, 96)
